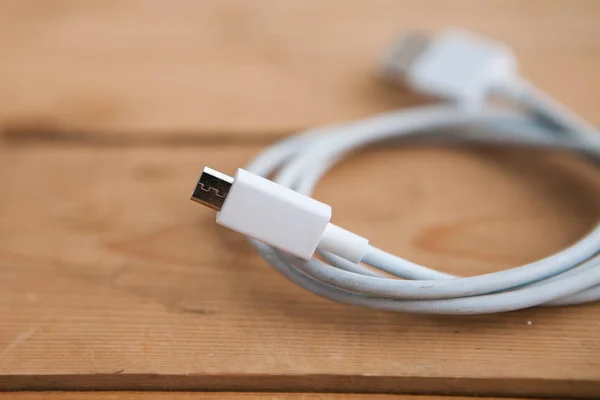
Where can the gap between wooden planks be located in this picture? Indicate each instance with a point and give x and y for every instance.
(256, 68)
(112, 279)
(213, 396)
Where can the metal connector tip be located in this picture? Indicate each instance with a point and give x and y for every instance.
(212, 188)
(402, 55)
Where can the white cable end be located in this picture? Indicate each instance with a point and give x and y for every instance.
(454, 65)
(343, 243)
(275, 215)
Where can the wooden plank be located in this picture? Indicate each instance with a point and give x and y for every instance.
(255, 68)
(112, 279)
(215, 396)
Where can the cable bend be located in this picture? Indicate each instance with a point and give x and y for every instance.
(571, 276)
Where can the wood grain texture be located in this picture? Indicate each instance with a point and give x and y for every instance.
(213, 396)
(112, 279)
(249, 69)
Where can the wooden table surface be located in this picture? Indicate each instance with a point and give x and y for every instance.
(138, 395)
(111, 279)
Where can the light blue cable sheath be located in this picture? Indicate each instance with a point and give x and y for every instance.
(571, 276)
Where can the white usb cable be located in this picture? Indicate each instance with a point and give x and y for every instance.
(287, 226)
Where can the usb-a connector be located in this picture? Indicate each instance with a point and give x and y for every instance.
(453, 65)
(403, 54)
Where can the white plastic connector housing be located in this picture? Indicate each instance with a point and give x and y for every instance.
(461, 66)
(274, 214)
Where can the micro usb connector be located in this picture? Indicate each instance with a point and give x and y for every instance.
(276, 215)
(212, 188)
